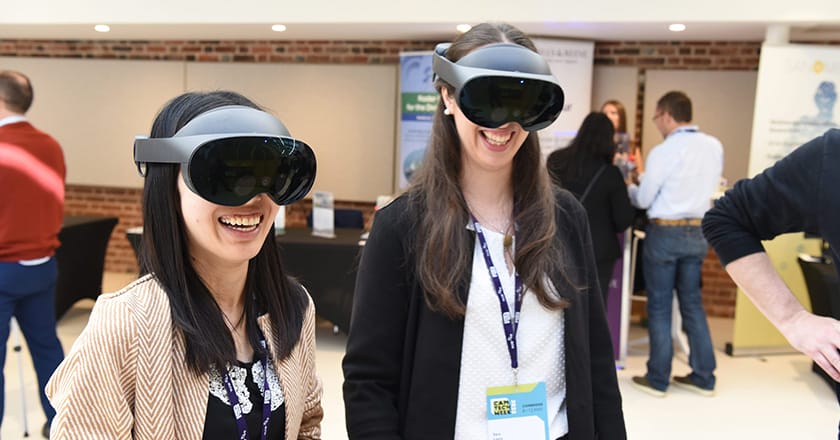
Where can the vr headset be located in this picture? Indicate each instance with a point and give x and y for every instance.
(230, 154)
(501, 83)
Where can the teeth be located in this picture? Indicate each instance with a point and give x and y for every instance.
(496, 139)
(241, 220)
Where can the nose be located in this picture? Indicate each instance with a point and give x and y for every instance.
(257, 199)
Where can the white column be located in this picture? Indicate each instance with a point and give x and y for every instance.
(777, 35)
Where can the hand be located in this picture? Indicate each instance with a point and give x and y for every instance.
(816, 336)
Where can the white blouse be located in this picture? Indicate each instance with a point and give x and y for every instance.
(485, 360)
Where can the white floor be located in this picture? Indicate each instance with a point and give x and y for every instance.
(774, 397)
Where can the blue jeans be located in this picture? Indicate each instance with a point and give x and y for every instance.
(673, 256)
(28, 294)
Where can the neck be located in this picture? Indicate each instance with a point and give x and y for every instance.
(5, 113)
(483, 187)
(679, 125)
(489, 197)
(226, 286)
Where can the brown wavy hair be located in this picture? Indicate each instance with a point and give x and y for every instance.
(443, 245)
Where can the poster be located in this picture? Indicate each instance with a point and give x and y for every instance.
(571, 63)
(418, 101)
(795, 100)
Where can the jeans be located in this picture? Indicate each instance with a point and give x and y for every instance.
(673, 256)
(28, 294)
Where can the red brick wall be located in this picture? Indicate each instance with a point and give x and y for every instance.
(124, 203)
(718, 289)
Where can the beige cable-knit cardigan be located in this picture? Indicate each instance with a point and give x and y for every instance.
(126, 377)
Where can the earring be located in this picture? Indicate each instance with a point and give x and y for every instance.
(446, 111)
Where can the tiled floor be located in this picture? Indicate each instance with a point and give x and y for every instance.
(774, 397)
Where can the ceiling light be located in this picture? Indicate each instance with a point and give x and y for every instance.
(676, 27)
(278, 27)
(463, 28)
(102, 28)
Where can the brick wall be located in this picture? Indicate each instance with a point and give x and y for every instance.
(124, 203)
(718, 289)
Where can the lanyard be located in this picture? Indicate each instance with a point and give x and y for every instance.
(241, 426)
(510, 325)
(685, 129)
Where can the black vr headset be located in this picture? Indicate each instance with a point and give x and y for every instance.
(501, 83)
(230, 154)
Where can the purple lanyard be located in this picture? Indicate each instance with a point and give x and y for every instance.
(510, 325)
(241, 426)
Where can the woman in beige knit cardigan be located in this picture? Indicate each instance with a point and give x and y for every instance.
(215, 342)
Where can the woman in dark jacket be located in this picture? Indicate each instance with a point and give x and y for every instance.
(481, 231)
(586, 169)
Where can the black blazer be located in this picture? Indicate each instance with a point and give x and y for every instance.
(607, 205)
(402, 365)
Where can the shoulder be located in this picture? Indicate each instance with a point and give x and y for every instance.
(400, 214)
(142, 291)
(117, 317)
(828, 145)
(613, 173)
(143, 300)
(567, 207)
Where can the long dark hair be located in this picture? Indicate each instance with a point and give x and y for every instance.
(165, 255)
(442, 243)
(593, 143)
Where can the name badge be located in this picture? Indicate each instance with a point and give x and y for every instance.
(517, 412)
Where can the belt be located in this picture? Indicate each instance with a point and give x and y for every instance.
(677, 222)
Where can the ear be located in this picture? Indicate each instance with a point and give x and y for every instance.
(448, 100)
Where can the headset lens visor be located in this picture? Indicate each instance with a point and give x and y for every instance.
(232, 171)
(492, 101)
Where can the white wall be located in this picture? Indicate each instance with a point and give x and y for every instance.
(94, 108)
(722, 104)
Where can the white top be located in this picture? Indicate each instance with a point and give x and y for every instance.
(485, 360)
(12, 120)
(681, 175)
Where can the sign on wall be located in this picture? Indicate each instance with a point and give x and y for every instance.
(418, 101)
(795, 100)
(571, 63)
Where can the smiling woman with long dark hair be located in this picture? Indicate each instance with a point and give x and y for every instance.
(481, 275)
(215, 342)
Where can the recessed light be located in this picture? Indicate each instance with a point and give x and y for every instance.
(676, 27)
(463, 28)
(278, 27)
(102, 28)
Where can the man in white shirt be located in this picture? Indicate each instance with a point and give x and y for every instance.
(681, 176)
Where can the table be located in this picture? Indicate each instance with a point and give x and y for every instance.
(81, 259)
(326, 267)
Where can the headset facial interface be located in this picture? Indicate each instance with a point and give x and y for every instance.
(501, 83)
(231, 154)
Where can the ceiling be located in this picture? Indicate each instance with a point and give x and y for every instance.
(721, 31)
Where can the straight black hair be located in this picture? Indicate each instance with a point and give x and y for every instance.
(593, 143)
(165, 255)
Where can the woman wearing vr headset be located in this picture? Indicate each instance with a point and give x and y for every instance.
(215, 343)
(482, 275)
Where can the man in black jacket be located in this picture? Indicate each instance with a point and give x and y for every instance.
(799, 193)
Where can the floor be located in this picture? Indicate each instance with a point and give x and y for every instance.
(773, 397)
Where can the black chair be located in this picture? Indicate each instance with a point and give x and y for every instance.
(344, 218)
(81, 259)
(823, 291)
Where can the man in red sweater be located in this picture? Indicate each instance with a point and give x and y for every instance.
(32, 175)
